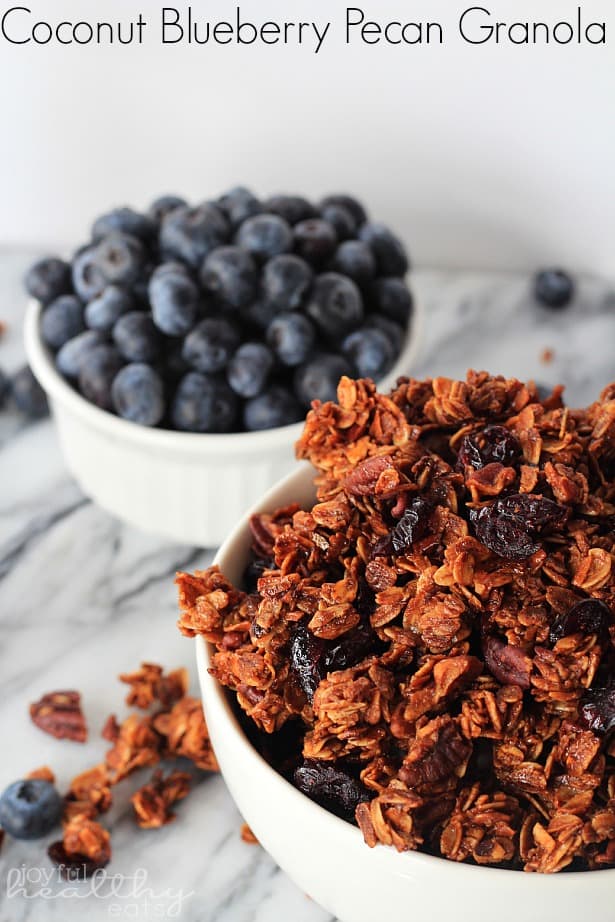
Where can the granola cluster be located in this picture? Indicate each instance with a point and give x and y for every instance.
(429, 650)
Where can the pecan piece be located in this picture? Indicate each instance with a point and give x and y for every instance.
(59, 714)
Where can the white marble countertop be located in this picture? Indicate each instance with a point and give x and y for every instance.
(84, 597)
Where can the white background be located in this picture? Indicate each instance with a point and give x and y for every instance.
(481, 155)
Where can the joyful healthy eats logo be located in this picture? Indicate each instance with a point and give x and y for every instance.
(195, 26)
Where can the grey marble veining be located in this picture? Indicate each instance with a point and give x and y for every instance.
(83, 597)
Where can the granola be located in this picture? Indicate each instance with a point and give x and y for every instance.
(429, 651)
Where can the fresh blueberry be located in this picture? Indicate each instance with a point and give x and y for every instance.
(88, 279)
(137, 394)
(391, 297)
(265, 236)
(335, 305)
(27, 394)
(47, 279)
(5, 388)
(394, 332)
(355, 208)
(341, 219)
(203, 403)
(163, 206)
(356, 260)
(120, 259)
(174, 299)
(98, 369)
(238, 205)
(285, 282)
(30, 809)
(291, 336)
(210, 345)
(174, 366)
(230, 275)
(553, 288)
(390, 254)
(293, 208)
(189, 234)
(102, 313)
(370, 351)
(315, 240)
(124, 221)
(61, 320)
(136, 337)
(249, 369)
(318, 378)
(271, 409)
(72, 353)
(258, 315)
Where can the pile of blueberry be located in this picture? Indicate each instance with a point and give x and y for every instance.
(232, 315)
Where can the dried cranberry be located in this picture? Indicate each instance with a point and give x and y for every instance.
(597, 709)
(254, 571)
(590, 616)
(306, 653)
(413, 524)
(510, 526)
(507, 663)
(493, 444)
(334, 788)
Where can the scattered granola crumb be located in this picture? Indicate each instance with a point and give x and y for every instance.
(44, 773)
(84, 848)
(248, 836)
(59, 714)
(185, 733)
(546, 356)
(152, 803)
(149, 684)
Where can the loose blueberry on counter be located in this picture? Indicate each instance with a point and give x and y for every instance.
(230, 275)
(137, 394)
(27, 394)
(190, 234)
(163, 206)
(341, 219)
(348, 202)
(315, 240)
(293, 208)
(271, 409)
(87, 276)
(98, 369)
(249, 369)
(392, 298)
(238, 205)
(72, 354)
(30, 809)
(265, 236)
(318, 378)
(204, 403)
(286, 281)
(291, 336)
(120, 259)
(553, 288)
(47, 279)
(124, 221)
(210, 345)
(102, 313)
(136, 337)
(355, 259)
(174, 299)
(61, 320)
(335, 305)
(388, 250)
(370, 351)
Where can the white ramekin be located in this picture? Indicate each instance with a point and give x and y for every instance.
(187, 487)
(328, 858)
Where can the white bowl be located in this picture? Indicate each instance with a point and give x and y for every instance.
(187, 487)
(328, 858)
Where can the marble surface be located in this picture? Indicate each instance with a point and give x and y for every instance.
(83, 597)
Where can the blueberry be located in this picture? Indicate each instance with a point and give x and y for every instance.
(5, 388)
(98, 369)
(318, 378)
(355, 208)
(174, 299)
(30, 809)
(230, 275)
(27, 394)
(102, 313)
(388, 250)
(61, 320)
(137, 394)
(553, 288)
(335, 305)
(249, 369)
(315, 240)
(136, 337)
(393, 331)
(341, 219)
(88, 279)
(355, 259)
(257, 315)
(291, 336)
(239, 204)
(209, 347)
(370, 351)
(189, 234)
(275, 407)
(391, 297)
(120, 259)
(285, 282)
(72, 353)
(293, 208)
(163, 206)
(203, 403)
(174, 365)
(265, 236)
(47, 279)
(124, 221)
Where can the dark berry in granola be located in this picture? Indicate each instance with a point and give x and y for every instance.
(488, 446)
(597, 709)
(589, 616)
(306, 657)
(331, 786)
(413, 524)
(511, 526)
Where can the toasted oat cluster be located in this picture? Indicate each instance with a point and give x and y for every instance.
(429, 650)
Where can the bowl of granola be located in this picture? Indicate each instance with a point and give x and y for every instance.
(408, 667)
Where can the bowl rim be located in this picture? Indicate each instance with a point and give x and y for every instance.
(216, 443)
(203, 650)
